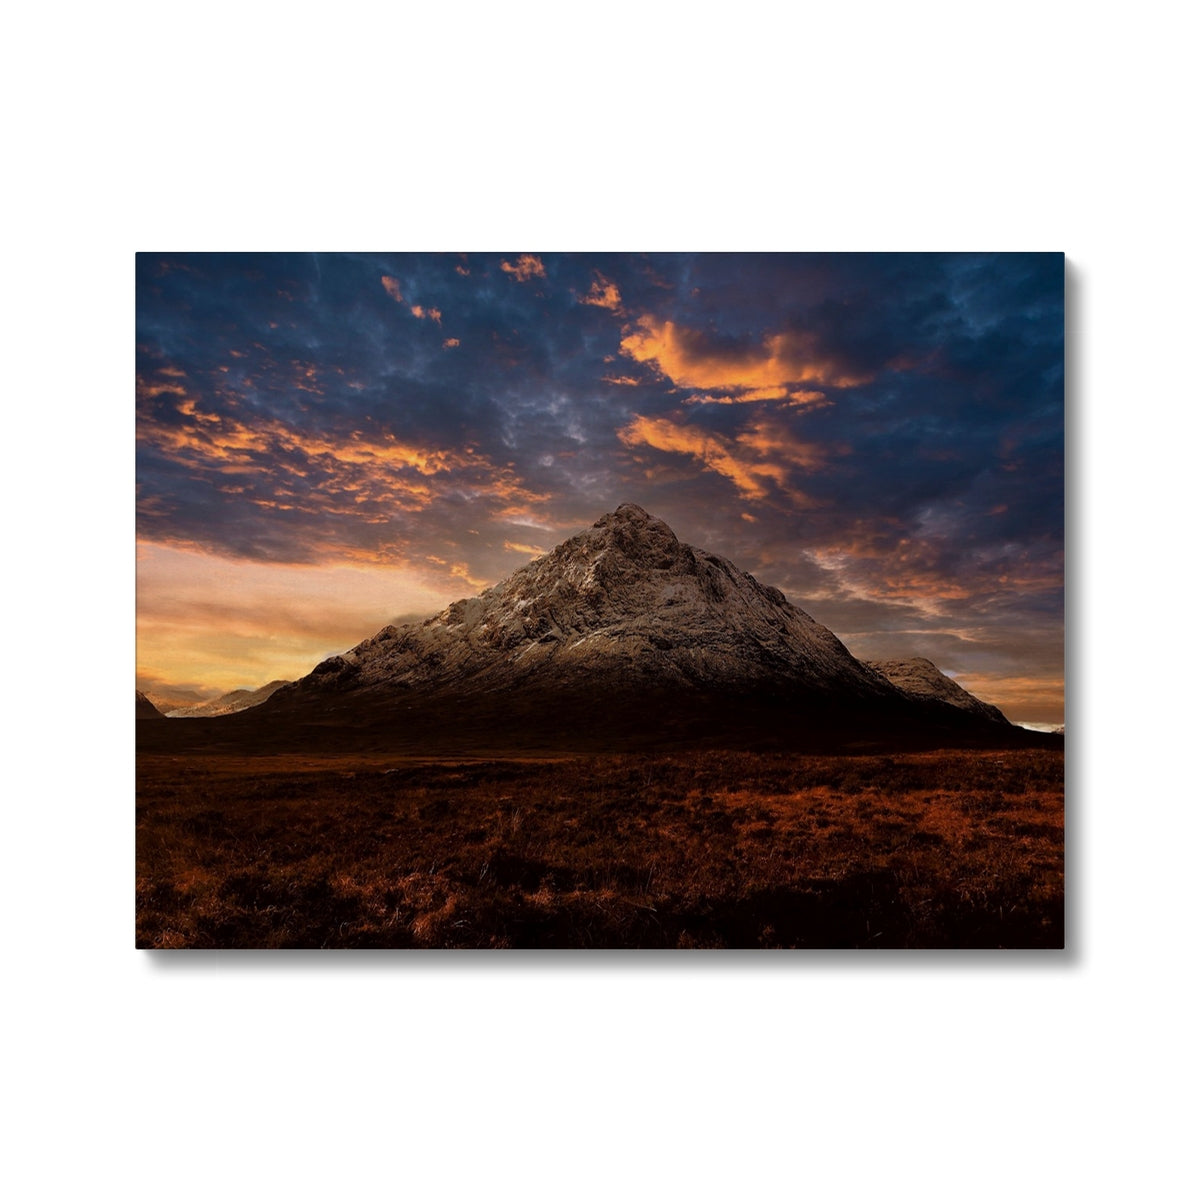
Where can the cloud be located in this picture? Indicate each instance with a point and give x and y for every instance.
(528, 267)
(462, 570)
(764, 454)
(315, 478)
(794, 399)
(603, 294)
(521, 548)
(392, 287)
(450, 343)
(695, 359)
(431, 314)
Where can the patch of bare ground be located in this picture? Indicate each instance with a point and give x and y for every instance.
(934, 850)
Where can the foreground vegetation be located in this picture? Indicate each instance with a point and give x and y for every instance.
(940, 849)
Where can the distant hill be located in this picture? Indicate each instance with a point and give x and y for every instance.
(231, 702)
(146, 710)
(167, 698)
(919, 678)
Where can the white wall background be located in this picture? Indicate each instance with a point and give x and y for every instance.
(607, 126)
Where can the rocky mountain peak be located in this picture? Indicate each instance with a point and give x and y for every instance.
(633, 532)
(623, 603)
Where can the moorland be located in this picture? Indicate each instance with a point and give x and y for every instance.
(937, 848)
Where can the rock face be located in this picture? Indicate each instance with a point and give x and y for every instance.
(145, 710)
(624, 604)
(231, 702)
(919, 678)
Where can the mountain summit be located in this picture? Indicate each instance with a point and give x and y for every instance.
(622, 637)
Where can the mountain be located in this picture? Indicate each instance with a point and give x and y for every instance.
(168, 698)
(623, 604)
(231, 702)
(622, 637)
(145, 709)
(919, 678)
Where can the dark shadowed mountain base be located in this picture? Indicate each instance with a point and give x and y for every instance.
(533, 721)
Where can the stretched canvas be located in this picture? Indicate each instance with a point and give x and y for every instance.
(664, 601)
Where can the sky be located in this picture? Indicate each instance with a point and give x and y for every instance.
(327, 443)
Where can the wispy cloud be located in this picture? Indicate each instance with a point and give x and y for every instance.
(521, 548)
(791, 399)
(288, 469)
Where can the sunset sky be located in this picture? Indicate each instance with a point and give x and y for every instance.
(328, 443)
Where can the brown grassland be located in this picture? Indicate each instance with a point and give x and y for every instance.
(942, 849)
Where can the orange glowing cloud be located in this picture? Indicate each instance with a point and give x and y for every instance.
(762, 455)
(149, 389)
(603, 294)
(793, 399)
(773, 367)
(529, 266)
(392, 287)
(450, 343)
(462, 570)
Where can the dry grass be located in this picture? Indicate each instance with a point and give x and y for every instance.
(944, 849)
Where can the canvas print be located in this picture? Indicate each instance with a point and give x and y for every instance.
(522, 600)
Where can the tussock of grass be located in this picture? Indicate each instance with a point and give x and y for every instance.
(942, 849)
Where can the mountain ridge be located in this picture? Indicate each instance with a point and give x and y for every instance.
(230, 702)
